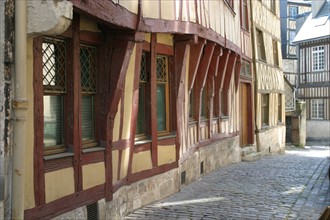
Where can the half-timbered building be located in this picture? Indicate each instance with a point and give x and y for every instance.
(269, 82)
(313, 41)
(125, 101)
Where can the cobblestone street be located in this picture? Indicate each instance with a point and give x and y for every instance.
(290, 186)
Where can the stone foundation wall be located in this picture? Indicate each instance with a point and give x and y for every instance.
(134, 196)
(271, 141)
(214, 156)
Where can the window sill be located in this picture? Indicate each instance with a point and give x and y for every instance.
(93, 149)
(167, 136)
(57, 156)
(224, 118)
(139, 142)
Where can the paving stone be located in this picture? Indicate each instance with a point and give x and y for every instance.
(290, 186)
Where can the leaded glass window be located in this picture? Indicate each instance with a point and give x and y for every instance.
(144, 78)
(54, 89)
(88, 65)
(162, 93)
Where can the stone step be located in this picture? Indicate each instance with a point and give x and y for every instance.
(247, 150)
(251, 157)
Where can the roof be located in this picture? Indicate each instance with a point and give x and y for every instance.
(315, 28)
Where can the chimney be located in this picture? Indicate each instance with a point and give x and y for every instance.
(316, 6)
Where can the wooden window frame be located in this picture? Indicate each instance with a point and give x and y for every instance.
(289, 11)
(318, 54)
(244, 16)
(316, 103)
(275, 53)
(260, 46)
(265, 109)
(272, 6)
(96, 140)
(279, 109)
(56, 149)
(69, 99)
(157, 49)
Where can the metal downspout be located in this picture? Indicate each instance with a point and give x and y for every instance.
(19, 105)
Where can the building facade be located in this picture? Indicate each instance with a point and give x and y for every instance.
(269, 81)
(125, 101)
(313, 41)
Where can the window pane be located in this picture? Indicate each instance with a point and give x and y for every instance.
(88, 65)
(53, 120)
(161, 107)
(87, 118)
(54, 69)
(141, 123)
(204, 103)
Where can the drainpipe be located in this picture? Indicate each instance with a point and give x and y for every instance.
(255, 78)
(19, 105)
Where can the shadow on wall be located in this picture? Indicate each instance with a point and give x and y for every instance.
(318, 132)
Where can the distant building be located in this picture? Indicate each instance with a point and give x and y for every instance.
(313, 41)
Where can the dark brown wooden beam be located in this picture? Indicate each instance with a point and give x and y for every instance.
(65, 204)
(213, 71)
(135, 104)
(194, 60)
(201, 79)
(74, 93)
(38, 154)
(237, 73)
(153, 98)
(118, 49)
(181, 49)
(228, 76)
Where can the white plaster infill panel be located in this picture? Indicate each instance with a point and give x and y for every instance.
(48, 17)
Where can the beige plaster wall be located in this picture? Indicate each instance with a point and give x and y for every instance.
(93, 175)
(141, 161)
(88, 25)
(166, 154)
(56, 187)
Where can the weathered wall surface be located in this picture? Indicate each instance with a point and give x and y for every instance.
(214, 156)
(271, 141)
(318, 130)
(2, 96)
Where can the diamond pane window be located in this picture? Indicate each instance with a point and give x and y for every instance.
(162, 94)
(144, 78)
(161, 69)
(54, 65)
(88, 68)
(88, 63)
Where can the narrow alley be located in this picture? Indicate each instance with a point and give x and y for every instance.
(290, 186)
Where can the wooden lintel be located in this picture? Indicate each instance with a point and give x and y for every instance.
(186, 38)
(195, 57)
(108, 12)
